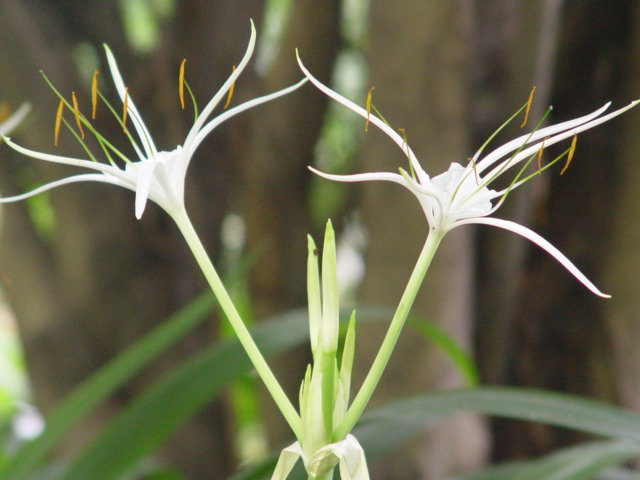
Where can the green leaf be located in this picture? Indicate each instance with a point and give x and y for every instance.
(384, 428)
(557, 409)
(461, 359)
(161, 410)
(581, 462)
(116, 373)
(619, 474)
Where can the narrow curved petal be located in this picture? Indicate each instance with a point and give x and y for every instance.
(144, 176)
(529, 151)
(76, 162)
(551, 130)
(202, 118)
(362, 177)
(226, 115)
(85, 177)
(352, 462)
(14, 120)
(288, 458)
(542, 243)
(145, 137)
(363, 113)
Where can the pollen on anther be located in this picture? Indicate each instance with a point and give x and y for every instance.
(76, 113)
(94, 94)
(475, 170)
(4, 111)
(368, 107)
(233, 69)
(539, 159)
(56, 128)
(125, 109)
(528, 107)
(181, 82)
(572, 150)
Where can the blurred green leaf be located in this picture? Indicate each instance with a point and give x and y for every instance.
(402, 418)
(619, 474)
(157, 413)
(104, 382)
(582, 462)
(461, 359)
(385, 428)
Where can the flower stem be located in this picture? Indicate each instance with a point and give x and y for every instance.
(279, 396)
(388, 343)
(326, 476)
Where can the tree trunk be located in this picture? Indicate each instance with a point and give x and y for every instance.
(417, 55)
(99, 280)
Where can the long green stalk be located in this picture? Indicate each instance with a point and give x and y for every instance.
(279, 396)
(388, 343)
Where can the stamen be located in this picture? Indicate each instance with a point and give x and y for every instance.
(572, 150)
(368, 106)
(540, 157)
(181, 82)
(4, 111)
(94, 94)
(526, 110)
(406, 144)
(76, 113)
(233, 69)
(475, 170)
(56, 128)
(125, 109)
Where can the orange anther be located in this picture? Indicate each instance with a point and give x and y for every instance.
(76, 113)
(181, 82)
(572, 150)
(94, 94)
(233, 69)
(526, 110)
(540, 157)
(4, 111)
(475, 170)
(56, 128)
(368, 107)
(125, 109)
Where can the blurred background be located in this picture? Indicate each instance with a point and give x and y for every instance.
(83, 279)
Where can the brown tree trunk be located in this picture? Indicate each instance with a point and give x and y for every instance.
(418, 67)
(102, 279)
(561, 335)
(274, 197)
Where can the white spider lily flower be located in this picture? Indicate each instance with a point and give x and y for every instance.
(8, 125)
(347, 453)
(156, 175)
(461, 195)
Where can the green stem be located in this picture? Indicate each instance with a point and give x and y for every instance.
(326, 476)
(395, 327)
(279, 396)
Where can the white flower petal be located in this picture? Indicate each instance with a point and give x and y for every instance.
(362, 177)
(518, 142)
(208, 109)
(14, 120)
(351, 458)
(76, 162)
(85, 177)
(563, 135)
(145, 171)
(541, 242)
(145, 137)
(288, 458)
(395, 136)
(227, 114)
